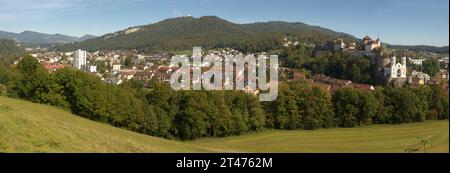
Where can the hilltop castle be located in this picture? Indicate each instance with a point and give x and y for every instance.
(367, 47)
(370, 45)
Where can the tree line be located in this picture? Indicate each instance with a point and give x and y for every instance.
(161, 111)
(359, 69)
(302, 106)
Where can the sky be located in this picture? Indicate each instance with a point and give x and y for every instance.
(406, 22)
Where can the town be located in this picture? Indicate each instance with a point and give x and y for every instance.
(117, 66)
(209, 76)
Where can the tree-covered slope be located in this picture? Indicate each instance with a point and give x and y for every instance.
(9, 47)
(185, 32)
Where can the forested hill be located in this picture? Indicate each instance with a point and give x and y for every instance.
(183, 33)
(303, 32)
(9, 47)
(421, 48)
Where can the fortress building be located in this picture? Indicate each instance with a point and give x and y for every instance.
(370, 45)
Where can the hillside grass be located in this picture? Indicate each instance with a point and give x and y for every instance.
(29, 127)
(370, 139)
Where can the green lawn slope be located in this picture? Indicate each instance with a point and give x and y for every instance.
(29, 127)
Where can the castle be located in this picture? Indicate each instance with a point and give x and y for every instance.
(370, 45)
(366, 48)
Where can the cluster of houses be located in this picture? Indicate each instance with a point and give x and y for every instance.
(287, 42)
(144, 66)
(326, 83)
(154, 66)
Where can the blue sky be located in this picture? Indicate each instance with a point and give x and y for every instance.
(408, 22)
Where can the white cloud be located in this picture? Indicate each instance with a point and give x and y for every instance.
(37, 5)
(13, 10)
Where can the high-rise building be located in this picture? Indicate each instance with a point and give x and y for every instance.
(79, 60)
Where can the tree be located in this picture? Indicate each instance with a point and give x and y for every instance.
(403, 105)
(101, 66)
(382, 114)
(191, 121)
(438, 103)
(368, 108)
(346, 104)
(283, 112)
(89, 97)
(431, 67)
(35, 84)
(128, 63)
(355, 108)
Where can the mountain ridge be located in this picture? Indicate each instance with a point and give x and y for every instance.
(182, 33)
(28, 36)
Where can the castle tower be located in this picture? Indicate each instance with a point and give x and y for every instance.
(404, 61)
(393, 61)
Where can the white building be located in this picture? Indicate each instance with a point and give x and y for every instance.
(416, 61)
(196, 51)
(395, 70)
(339, 45)
(116, 67)
(420, 75)
(93, 69)
(141, 57)
(79, 59)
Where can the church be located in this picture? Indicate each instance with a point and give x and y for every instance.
(396, 72)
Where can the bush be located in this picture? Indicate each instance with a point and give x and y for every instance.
(3, 90)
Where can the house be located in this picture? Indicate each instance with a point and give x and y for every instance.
(116, 67)
(53, 67)
(144, 75)
(443, 74)
(93, 69)
(362, 87)
(416, 81)
(249, 90)
(127, 74)
(114, 80)
(333, 82)
(163, 73)
(416, 61)
(422, 77)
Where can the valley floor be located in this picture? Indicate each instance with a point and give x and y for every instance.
(29, 127)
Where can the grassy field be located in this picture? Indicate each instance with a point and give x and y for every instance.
(380, 138)
(29, 127)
